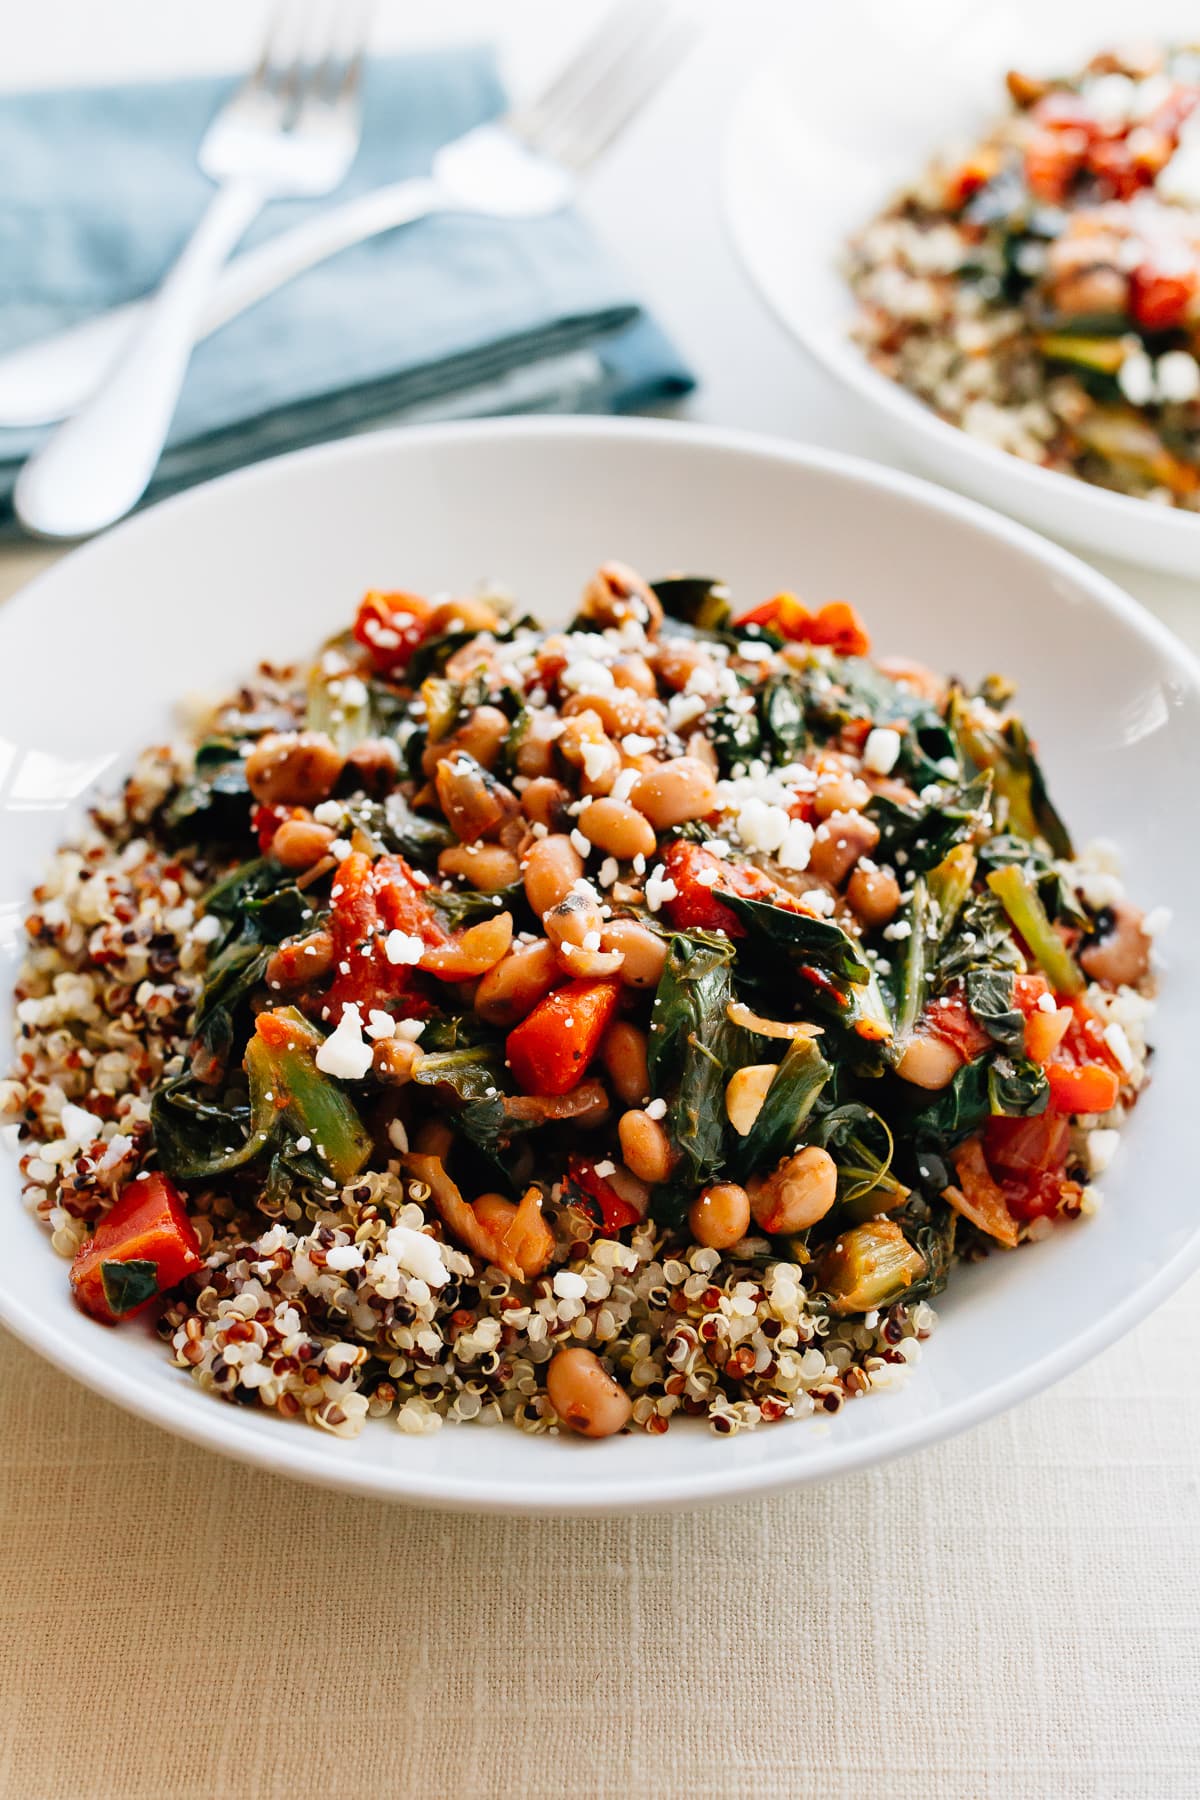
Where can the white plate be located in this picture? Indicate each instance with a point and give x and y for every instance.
(827, 133)
(266, 563)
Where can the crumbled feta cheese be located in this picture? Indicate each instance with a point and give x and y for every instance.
(762, 826)
(410, 1029)
(302, 1144)
(402, 948)
(586, 676)
(398, 1137)
(569, 1286)
(329, 812)
(898, 929)
(341, 848)
(344, 1052)
(797, 844)
(1100, 1146)
(591, 940)
(881, 750)
(1179, 179)
(582, 844)
(708, 877)
(683, 708)
(819, 902)
(657, 1109)
(419, 1254)
(80, 1128)
(1047, 1003)
(606, 1168)
(634, 744)
(344, 1256)
(380, 1024)
(610, 868)
(1135, 378)
(625, 783)
(659, 888)
(1177, 375)
(595, 758)
(1118, 1043)
(116, 1148)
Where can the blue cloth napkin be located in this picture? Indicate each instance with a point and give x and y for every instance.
(450, 316)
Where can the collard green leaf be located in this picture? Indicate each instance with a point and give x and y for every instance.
(693, 1046)
(861, 1143)
(781, 708)
(459, 908)
(990, 1000)
(1017, 1087)
(128, 1284)
(734, 735)
(801, 938)
(213, 805)
(780, 1125)
(957, 1111)
(922, 833)
(1022, 802)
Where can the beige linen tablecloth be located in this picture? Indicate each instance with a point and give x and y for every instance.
(1012, 1614)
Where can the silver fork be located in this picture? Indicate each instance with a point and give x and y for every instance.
(522, 166)
(291, 129)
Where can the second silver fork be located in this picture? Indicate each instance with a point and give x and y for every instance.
(291, 129)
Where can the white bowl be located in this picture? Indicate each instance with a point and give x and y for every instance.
(265, 563)
(833, 127)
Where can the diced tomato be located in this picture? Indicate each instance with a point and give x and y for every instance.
(1028, 991)
(615, 1213)
(696, 906)
(1088, 1088)
(1032, 1146)
(402, 906)
(950, 1019)
(148, 1225)
(390, 626)
(971, 175)
(549, 1051)
(835, 625)
(368, 902)
(1112, 162)
(1052, 161)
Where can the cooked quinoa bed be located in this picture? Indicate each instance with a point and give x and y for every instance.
(582, 1029)
(1042, 289)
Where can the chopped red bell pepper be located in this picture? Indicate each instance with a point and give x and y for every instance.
(615, 1213)
(549, 1051)
(1086, 1088)
(836, 625)
(144, 1246)
(1162, 298)
(390, 626)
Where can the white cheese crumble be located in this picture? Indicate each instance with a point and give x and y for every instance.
(586, 676)
(659, 888)
(762, 826)
(1118, 1043)
(595, 758)
(329, 812)
(398, 1137)
(624, 785)
(898, 929)
(657, 1109)
(1156, 921)
(797, 844)
(399, 947)
(410, 1029)
(605, 1168)
(1100, 1146)
(78, 1126)
(582, 844)
(881, 750)
(1177, 375)
(420, 1254)
(634, 744)
(302, 1144)
(380, 1024)
(345, 1052)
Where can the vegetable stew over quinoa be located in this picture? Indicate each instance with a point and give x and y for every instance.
(1043, 290)
(585, 1029)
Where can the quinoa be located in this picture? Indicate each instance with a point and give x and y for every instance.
(383, 1295)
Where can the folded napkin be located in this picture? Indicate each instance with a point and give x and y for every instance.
(448, 317)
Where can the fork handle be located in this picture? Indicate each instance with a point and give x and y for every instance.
(97, 466)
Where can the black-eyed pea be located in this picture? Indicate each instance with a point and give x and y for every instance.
(486, 867)
(720, 1216)
(545, 802)
(796, 1194)
(512, 988)
(294, 768)
(584, 1394)
(873, 894)
(623, 1054)
(645, 1147)
(618, 828)
(675, 791)
(839, 842)
(552, 868)
(644, 952)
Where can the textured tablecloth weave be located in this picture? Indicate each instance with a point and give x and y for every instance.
(1014, 1614)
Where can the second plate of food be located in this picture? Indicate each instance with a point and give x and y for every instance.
(1007, 275)
(670, 1020)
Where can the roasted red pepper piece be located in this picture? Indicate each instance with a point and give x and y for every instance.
(146, 1238)
(615, 1213)
(390, 626)
(549, 1051)
(696, 906)
(835, 625)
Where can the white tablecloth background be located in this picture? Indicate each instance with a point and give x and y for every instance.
(1014, 1614)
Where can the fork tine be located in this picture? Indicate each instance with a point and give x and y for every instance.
(617, 31)
(619, 93)
(339, 74)
(279, 64)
